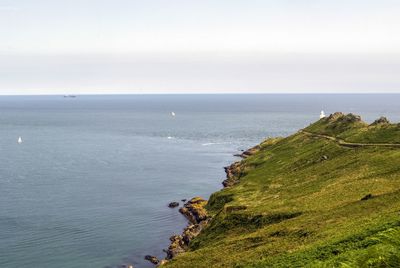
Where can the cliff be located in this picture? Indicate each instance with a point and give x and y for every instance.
(326, 196)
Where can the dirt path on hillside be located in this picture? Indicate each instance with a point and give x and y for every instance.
(350, 144)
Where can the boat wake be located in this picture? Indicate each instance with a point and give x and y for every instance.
(214, 143)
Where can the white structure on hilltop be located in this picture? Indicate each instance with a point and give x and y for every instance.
(322, 115)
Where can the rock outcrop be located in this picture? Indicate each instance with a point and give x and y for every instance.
(345, 118)
(195, 212)
(152, 259)
(249, 152)
(176, 246)
(381, 121)
(233, 173)
(351, 118)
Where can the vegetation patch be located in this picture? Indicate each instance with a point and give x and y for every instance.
(218, 201)
(307, 200)
(249, 222)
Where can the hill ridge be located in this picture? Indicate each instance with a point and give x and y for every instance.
(306, 200)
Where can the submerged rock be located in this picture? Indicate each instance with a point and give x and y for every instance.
(152, 259)
(173, 204)
(335, 116)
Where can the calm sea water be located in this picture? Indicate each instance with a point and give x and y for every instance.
(90, 184)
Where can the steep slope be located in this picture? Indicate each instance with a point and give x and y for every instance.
(311, 199)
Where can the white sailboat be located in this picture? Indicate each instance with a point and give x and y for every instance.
(173, 114)
(19, 141)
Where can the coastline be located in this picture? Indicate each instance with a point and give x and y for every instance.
(200, 213)
(195, 212)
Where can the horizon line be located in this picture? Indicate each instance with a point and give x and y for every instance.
(199, 93)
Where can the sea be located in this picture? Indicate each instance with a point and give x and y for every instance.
(89, 185)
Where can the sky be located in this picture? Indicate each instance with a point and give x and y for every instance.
(207, 46)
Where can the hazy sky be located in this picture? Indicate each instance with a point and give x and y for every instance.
(149, 46)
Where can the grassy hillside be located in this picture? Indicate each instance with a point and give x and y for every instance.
(308, 201)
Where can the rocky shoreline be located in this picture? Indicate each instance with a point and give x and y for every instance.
(195, 212)
(195, 209)
(236, 169)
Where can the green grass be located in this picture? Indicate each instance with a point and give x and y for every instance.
(295, 208)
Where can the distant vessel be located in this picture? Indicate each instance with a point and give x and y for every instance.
(19, 141)
(322, 115)
(173, 114)
(69, 96)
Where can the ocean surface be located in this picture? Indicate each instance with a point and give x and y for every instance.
(90, 184)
